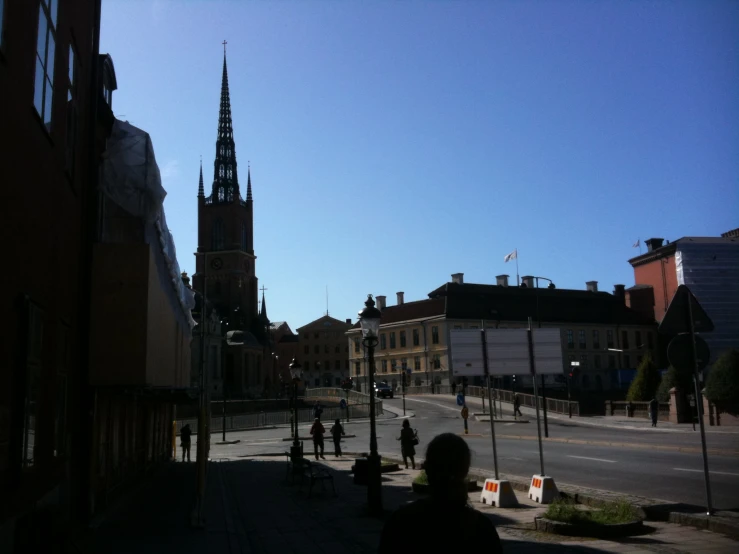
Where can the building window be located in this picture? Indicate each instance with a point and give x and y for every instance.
(316, 335)
(638, 360)
(436, 361)
(572, 359)
(243, 237)
(637, 340)
(316, 349)
(60, 408)
(596, 361)
(71, 138)
(394, 366)
(624, 340)
(337, 364)
(383, 342)
(415, 337)
(306, 366)
(611, 361)
(326, 348)
(384, 366)
(570, 339)
(327, 366)
(2, 27)
(585, 382)
(404, 363)
(474, 326)
(356, 345)
(417, 363)
(457, 326)
(45, 50)
(596, 339)
(357, 368)
(583, 361)
(305, 336)
(434, 335)
(337, 349)
(650, 340)
(609, 339)
(34, 343)
(402, 339)
(627, 361)
(581, 339)
(392, 340)
(217, 239)
(317, 382)
(306, 349)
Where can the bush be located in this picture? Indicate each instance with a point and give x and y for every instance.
(644, 387)
(566, 511)
(722, 386)
(421, 478)
(682, 380)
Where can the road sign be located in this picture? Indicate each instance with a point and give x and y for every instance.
(460, 400)
(676, 318)
(342, 403)
(680, 353)
(465, 412)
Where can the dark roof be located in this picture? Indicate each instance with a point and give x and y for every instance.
(419, 309)
(670, 248)
(323, 319)
(245, 338)
(473, 301)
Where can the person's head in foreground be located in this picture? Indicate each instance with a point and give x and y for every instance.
(447, 463)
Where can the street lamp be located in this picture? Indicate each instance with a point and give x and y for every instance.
(574, 367)
(369, 319)
(296, 371)
(550, 286)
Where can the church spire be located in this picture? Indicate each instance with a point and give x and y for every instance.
(248, 184)
(225, 179)
(263, 313)
(201, 189)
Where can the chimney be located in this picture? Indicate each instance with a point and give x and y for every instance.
(527, 281)
(501, 280)
(653, 244)
(400, 297)
(592, 286)
(348, 321)
(458, 278)
(619, 291)
(380, 302)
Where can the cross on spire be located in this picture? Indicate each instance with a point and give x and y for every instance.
(224, 47)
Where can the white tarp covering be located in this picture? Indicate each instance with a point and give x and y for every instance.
(507, 352)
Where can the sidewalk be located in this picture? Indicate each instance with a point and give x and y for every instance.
(251, 509)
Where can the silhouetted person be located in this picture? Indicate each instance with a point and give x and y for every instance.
(654, 411)
(408, 441)
(317, 410)
(336, 432)
(317, 430)
(454, 387)
(185, 433)
(424, 525)
(516, 406)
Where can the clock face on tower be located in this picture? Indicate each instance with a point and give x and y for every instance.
(216, 263)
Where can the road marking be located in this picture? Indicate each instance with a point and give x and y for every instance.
(701, 471)
(508, 424)
(456, 410)
(593, 459)
(512, 458)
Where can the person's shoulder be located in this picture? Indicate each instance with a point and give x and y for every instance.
(485, 529)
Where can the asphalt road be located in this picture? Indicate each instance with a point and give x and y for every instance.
(664, 473)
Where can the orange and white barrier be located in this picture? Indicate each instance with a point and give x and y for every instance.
(542, 489)
(499, 493)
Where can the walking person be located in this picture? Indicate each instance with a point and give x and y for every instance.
(337, 431)
(516, 406)
(185, 433)
(317, 410)
(654, 411)
(408, 440)
(454, 387)
(410, 528)
(317, 430)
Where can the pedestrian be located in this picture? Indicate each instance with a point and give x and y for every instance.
(454, 387)
(317, 431)
(410, 528)
(317, 410)
(408, 440)
(654, 411)
(336, 433)
(516, 406)
(185, 433)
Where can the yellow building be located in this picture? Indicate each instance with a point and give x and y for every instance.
(598, 330)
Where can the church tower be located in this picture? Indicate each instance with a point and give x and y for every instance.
(225, 257)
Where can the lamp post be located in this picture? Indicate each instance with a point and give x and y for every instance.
(550, 286)
(574, 367)
(369, 319)
(295, 372)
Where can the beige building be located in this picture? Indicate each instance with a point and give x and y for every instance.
(323, 351)
(597, 329)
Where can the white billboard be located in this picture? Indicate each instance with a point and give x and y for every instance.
(507, 352)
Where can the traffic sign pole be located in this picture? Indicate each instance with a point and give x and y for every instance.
(699, 407)
(490, 400)
(532, 367)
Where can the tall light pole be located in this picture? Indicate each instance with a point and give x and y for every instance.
(369, 319)
(296, 371)
(543, 386)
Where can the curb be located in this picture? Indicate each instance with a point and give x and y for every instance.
(594, 530)
(229, 442)
(309, 437)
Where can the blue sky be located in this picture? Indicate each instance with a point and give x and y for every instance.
(395, 143)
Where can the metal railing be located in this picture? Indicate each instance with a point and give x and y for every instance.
(353, 398)
(640, 410)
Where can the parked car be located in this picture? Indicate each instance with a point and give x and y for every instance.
(383, 390)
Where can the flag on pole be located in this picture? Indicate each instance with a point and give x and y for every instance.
(512, 256)
(637, 244)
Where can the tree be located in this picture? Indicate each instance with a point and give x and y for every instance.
(644, 386)
(722, 386)
(681, 380)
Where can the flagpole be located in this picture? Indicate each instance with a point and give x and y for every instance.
(518, 281)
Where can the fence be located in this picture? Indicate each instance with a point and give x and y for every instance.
(353, 398)
(554, 405)
(640, 410)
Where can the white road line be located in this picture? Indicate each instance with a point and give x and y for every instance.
(512, 458)
(701, 471)
(435, 404)
(507, 424)
(593, 459)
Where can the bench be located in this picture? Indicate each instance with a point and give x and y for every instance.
(316, 473)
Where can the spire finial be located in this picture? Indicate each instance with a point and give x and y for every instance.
(224, 47)
(201, 188)
(248, 183)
